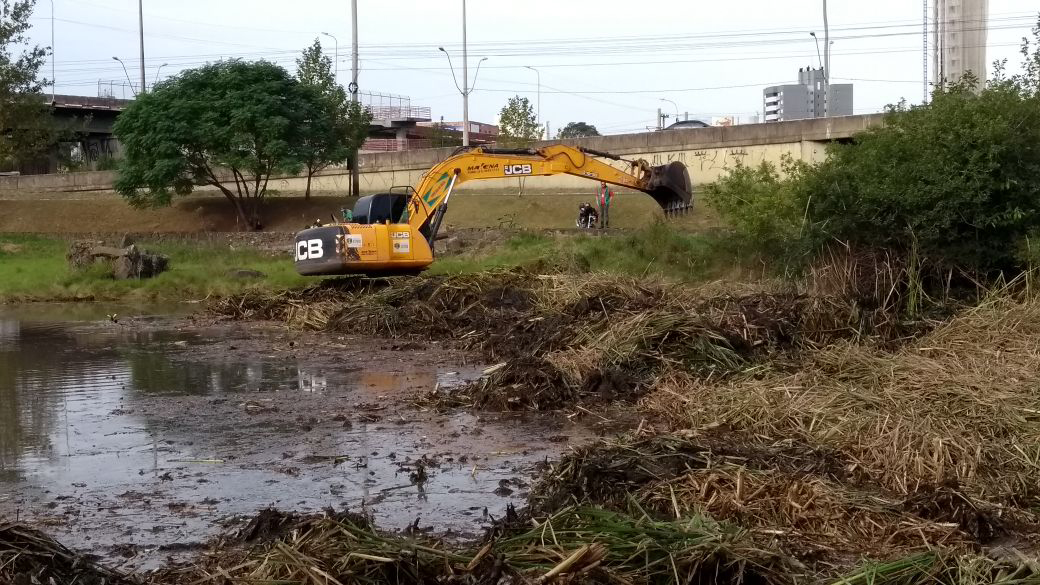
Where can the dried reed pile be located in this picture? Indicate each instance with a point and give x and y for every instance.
(803, 503)
(932, 448)
(566, 337)
(958, 406)
(573, 545)
(29, 557)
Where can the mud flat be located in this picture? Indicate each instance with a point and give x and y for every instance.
(134, 437)
(770, 435)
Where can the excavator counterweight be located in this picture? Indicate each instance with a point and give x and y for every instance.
(393, 233)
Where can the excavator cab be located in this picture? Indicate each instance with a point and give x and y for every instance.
(380, 208)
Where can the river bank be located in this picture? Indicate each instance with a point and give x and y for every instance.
(34, 267)
(646, 430)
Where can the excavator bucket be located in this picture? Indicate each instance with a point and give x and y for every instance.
(670, 186)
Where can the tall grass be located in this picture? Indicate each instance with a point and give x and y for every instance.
(34, 268)
(659, 250)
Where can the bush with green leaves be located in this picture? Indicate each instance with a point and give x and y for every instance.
(957, 180)
(765, 205)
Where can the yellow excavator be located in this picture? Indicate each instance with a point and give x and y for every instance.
(393, 233)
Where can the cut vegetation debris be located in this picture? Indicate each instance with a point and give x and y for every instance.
(573, 545)
(567, 337)
(809, 504)
(29, 557)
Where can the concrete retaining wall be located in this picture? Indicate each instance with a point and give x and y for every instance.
(707, 152)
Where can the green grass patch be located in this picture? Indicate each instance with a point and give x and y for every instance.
(659, 250)
(34, 268)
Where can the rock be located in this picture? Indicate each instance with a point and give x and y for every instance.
(245, 273)
(9, 248)
(451, 245)
(125, 263)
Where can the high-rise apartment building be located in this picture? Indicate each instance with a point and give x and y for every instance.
(959, 39)
(806, 99)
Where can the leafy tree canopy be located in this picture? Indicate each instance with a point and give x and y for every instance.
(231, 125)
(26, 126)
(334, 128)
(517, 123)
(577, 130)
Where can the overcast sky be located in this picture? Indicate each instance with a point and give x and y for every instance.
(605, 62)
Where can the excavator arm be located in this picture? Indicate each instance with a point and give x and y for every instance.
(669, 184)
(394, 233)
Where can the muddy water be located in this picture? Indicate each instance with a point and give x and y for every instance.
(141, 437)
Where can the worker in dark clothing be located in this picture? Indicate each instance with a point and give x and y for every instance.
(606, 195)
(586, 216)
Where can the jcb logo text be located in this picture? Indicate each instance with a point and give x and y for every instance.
(518, 169)
(309, 250)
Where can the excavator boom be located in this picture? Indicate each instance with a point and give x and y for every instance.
(394, 232)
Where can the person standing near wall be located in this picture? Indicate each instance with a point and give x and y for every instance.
(606, 195)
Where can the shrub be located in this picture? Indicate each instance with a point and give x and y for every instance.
(954, 180)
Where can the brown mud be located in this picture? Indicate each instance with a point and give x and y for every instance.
(772, 437)
(139, 439)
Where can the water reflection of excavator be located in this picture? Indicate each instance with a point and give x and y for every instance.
(393, 233)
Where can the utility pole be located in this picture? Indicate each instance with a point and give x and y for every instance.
(465, 80)
(54, 76)
(924, 63)
(538, 115)
(355, 173)
(140, 21)
(826, 63)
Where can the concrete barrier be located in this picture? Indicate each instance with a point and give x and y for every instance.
(707, 152)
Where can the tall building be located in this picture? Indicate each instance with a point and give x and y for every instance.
(806, 99)
(959, 39)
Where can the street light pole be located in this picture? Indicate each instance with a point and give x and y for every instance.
(674, 105)
(157, 71)
(826, 63)
(539, 74)
(140, 21)
(337, 52)
(127, 73)
(54, 76)
(817, 39)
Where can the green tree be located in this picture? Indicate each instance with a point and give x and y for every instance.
(26, 126)
(517, 124)
(334, 128)
(230, 125)
(577, 130)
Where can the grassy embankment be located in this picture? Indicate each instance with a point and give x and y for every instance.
(34, 268)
